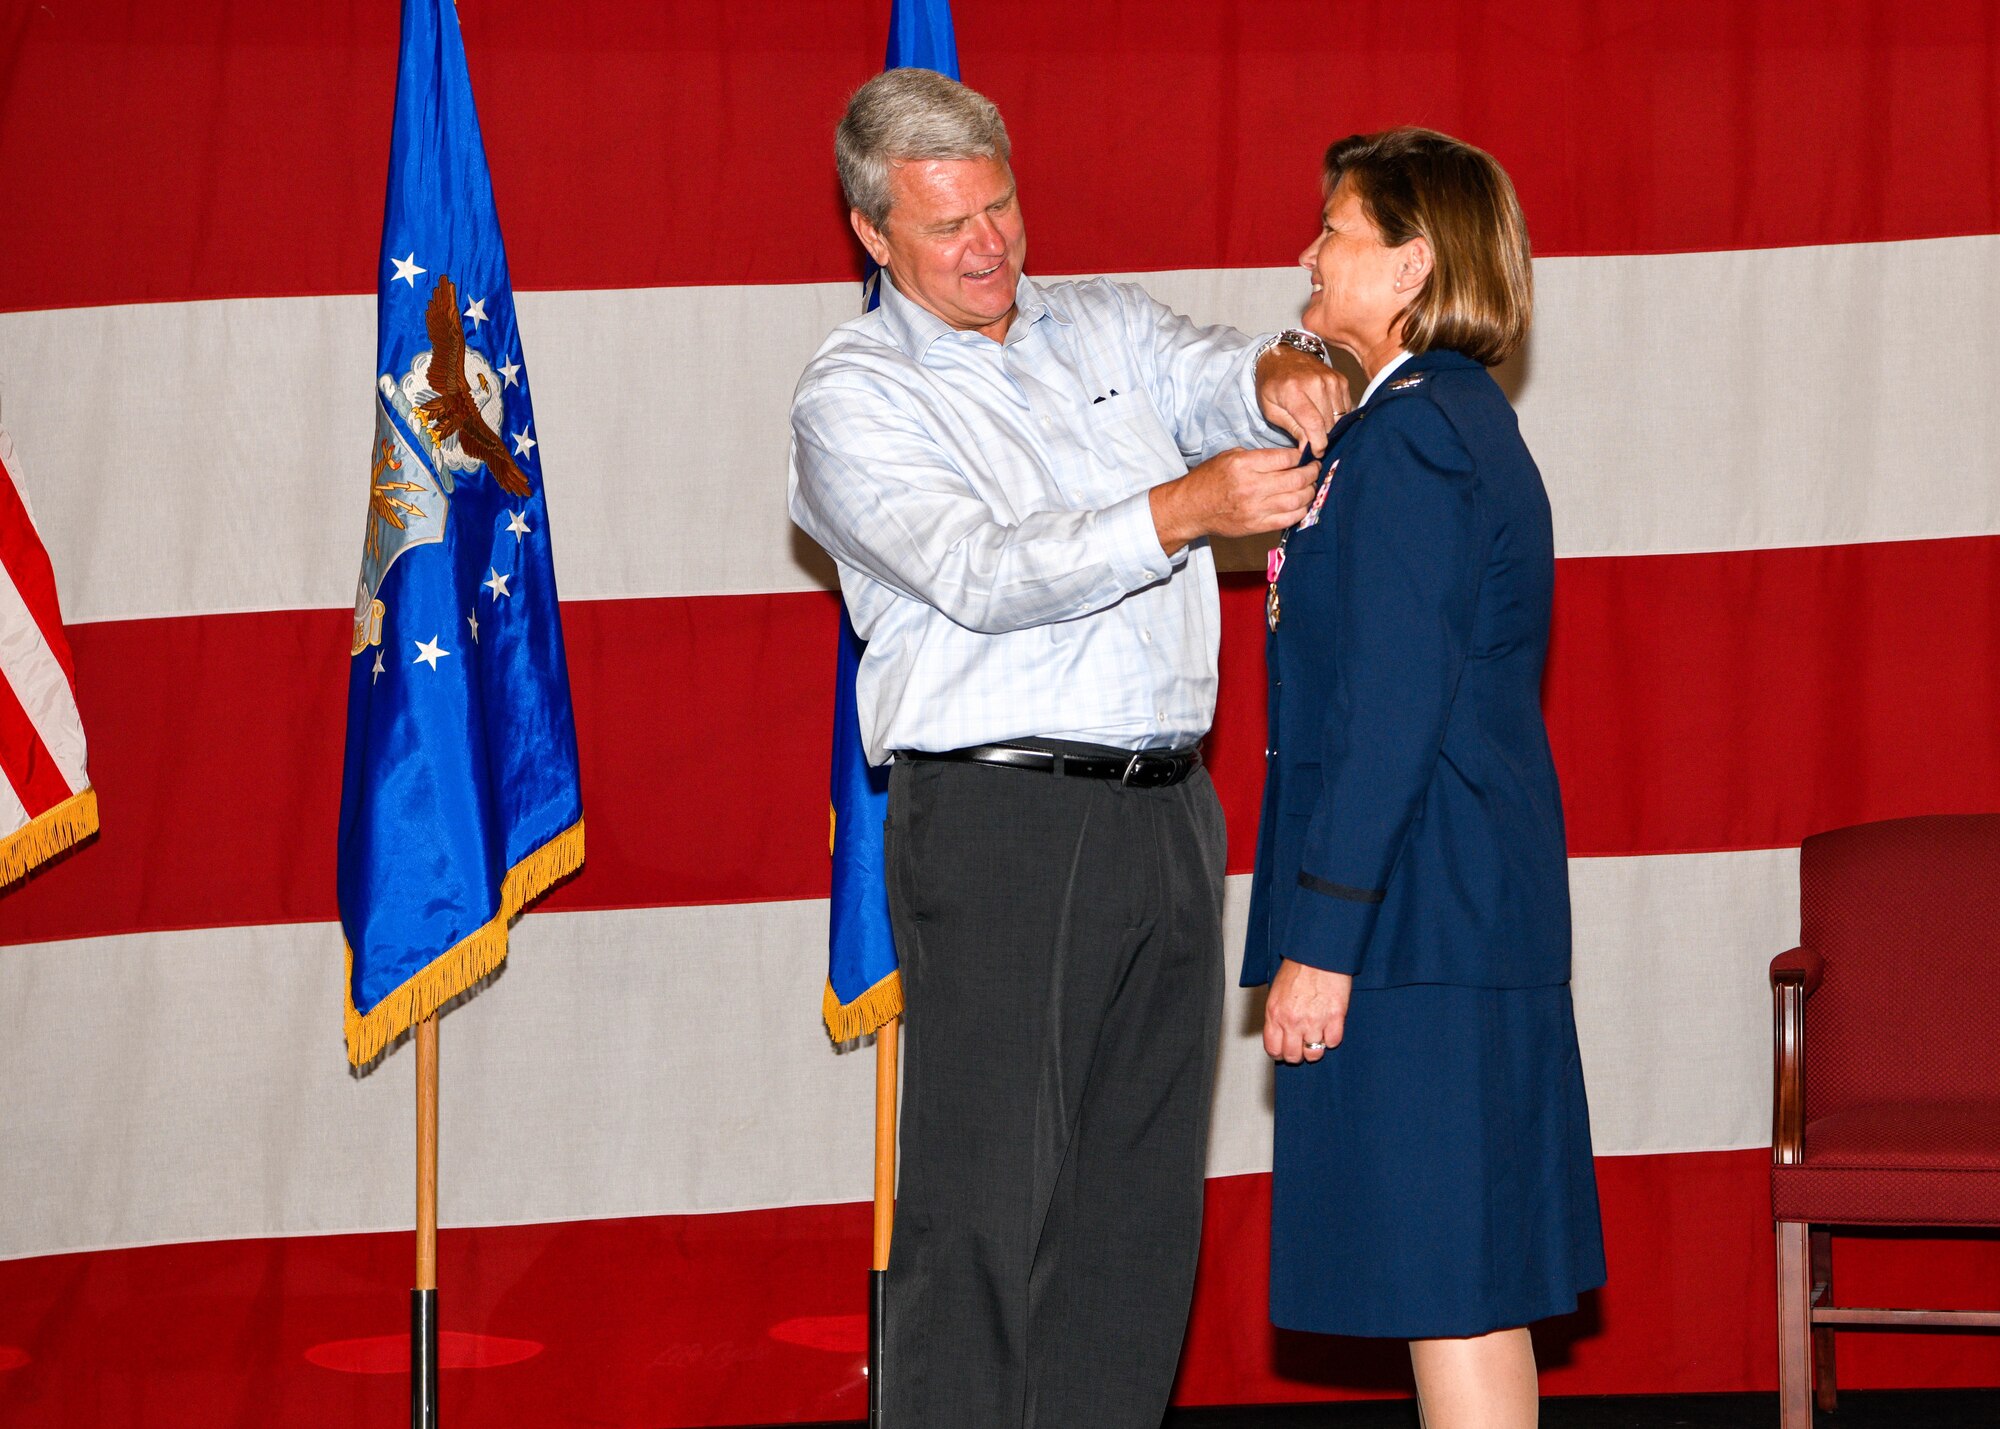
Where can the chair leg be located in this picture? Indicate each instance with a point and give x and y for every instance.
(1825, 1392)
(1795, 1410)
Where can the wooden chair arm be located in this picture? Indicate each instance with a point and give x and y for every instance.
(1793, 977)
(1801, 965)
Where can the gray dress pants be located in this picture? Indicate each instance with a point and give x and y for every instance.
(1061, 950)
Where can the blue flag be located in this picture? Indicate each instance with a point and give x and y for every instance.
(460, 800)
(863, 988)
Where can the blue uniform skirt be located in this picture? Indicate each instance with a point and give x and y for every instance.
(1432, 1174)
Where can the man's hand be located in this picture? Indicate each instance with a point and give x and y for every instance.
(1240, 493)
(1301, 395)
(1306, 1012)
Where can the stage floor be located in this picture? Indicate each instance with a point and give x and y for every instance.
(1877, 1409)
(1865, 1409)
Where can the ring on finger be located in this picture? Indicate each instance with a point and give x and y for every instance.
(1315, 1046)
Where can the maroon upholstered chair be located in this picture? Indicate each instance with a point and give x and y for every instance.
(1886, 1110)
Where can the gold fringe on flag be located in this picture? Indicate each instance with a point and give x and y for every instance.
(470, 959)
(47, 834)
(866, 1013)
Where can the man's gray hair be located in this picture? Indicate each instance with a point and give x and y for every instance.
(906, 114)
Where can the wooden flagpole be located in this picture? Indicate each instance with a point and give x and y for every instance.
(885, 1209)
(423, 1299)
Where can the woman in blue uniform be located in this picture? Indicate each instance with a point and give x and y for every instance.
(1432, 1174)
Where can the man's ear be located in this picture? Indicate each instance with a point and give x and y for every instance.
(870, 236)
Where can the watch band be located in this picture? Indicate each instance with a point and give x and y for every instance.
(1298, 338)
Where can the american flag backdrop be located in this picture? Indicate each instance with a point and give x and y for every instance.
(47, 804)
(1761, 386)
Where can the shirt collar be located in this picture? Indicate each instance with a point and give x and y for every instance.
(1388, 370)
(914, 329)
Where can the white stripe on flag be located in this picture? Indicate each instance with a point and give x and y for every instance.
(13, 813)
(30, 667)
(1705, 401)
(120, 1128)
(10, 470)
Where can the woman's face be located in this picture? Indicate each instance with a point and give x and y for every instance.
(1359, 283)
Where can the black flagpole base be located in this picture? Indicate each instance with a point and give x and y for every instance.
(423, 1359)
(878, 1320)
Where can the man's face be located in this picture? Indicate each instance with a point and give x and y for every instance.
(954, 243)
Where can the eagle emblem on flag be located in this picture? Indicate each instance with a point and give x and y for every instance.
(453, 388)
(452, 403)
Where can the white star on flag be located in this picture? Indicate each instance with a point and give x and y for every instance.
(517, 522)
(477, 312)
(378, 668)
(407, 269)
(429, 652)
(497, 583)
(523, 443)
(511, 370)
(473, 621)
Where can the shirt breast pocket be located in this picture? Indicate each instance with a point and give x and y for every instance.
(1128, 449)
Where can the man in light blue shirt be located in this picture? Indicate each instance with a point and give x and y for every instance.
(1016, 482)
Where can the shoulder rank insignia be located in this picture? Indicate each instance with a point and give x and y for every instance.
(1401, 382)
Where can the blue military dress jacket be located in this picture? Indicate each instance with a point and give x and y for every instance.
(1412, 829)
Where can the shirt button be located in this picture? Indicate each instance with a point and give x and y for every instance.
(1146, 637)
(1160, 715)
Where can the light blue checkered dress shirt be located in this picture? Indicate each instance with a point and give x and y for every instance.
(987, 505)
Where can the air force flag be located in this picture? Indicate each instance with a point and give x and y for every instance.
(460, 801)
(864, 988)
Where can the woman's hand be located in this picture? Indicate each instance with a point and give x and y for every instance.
(1306, 1012)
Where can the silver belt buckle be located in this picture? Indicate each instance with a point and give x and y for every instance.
(1147, 771)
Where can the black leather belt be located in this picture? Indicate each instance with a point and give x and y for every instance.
(1147, 769)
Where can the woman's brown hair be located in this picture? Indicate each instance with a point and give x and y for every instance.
(1480, 296)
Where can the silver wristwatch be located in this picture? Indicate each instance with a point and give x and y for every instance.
(1302, 340)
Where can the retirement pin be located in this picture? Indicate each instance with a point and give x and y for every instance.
(1274, 566)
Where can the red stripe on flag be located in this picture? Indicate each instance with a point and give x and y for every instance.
(1689, 1306)
(1745, 699)
(26, 761)
(23, 561)
(1734, 700)
(240, 151)
(759, 1317)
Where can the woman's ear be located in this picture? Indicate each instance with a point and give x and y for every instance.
(1413, 264)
